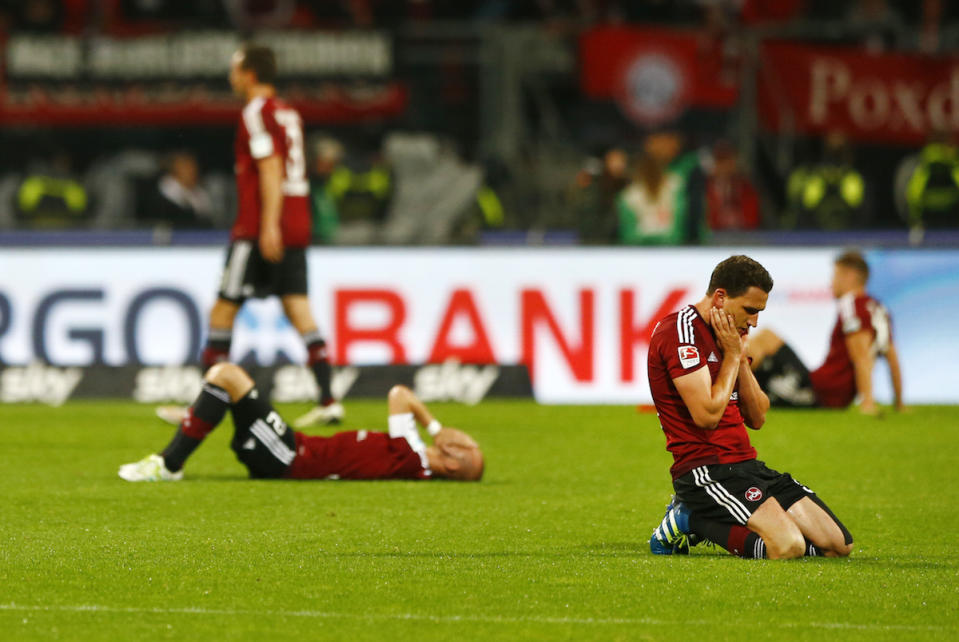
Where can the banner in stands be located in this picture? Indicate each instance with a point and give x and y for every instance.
(580, 319)
(897, 98)
(448, 381)
(182, 77)
(656, 74)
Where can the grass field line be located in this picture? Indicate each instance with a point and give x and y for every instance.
(443, 619)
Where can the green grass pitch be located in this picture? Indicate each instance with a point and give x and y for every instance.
(552, 544)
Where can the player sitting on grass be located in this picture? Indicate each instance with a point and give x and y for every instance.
(269, 449)
(862, 332)
(705, 396)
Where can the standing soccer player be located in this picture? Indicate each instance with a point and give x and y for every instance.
(267, 253)
(706, 395)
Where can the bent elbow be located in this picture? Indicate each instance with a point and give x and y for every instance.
(706, 421)
(756, 422)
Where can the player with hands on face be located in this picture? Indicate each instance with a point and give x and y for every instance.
(706, 396)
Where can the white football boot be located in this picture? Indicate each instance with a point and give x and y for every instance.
(321, 416)
(150, 469)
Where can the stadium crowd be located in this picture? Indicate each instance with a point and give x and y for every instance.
(579, 170)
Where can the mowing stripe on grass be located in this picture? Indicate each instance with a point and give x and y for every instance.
(492, 619)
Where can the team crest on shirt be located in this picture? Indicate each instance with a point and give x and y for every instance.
(688, 356)
(753, 494)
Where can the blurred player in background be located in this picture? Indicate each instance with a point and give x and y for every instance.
(264, 444)
(705, 396)
(267, 253)
(862, 331)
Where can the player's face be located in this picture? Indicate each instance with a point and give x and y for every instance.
(844, 280)
(238, 76)
(745, 308)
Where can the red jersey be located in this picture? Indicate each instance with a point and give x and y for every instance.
(269, 126)
(682, 343)
(834, 382)
(357, 454)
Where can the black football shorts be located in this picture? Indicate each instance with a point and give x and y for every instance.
(246, 274)
(262, 440)
(732, 492)
(785, 380)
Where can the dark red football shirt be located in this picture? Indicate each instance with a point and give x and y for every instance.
(357, 454)
(834, 382)
(682, 343)
(269, 126)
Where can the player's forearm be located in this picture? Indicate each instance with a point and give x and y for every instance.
(895, 375)
(721, 390)
(863, 371)
(271, 192)
(753, 402)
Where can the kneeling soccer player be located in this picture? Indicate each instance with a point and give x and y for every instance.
(269, 449)
(706, 395)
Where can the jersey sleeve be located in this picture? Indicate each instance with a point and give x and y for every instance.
(853, 315)
(262, 128)
(680, 358)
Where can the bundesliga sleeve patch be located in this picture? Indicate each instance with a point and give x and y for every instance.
(688, 356)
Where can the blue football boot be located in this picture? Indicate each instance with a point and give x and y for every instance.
(672, 535)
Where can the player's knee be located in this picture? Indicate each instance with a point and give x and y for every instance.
(219, 373)
(230, 377)
(223, 314)
(843, 549)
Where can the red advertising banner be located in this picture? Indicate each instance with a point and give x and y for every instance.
(893, 98)
(656, 74)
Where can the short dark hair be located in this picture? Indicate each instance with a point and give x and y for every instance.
(854, 260)
(737, 274)
(261, 61)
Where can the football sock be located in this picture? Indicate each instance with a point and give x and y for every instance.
(202, 417)
(736, 539)
(217, 347)
(319, 362)
(812, 551)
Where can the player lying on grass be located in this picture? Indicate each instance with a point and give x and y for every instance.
(862, 332)
(705, 396)
(269, 449)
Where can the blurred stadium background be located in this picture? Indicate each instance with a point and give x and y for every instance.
(515, 132)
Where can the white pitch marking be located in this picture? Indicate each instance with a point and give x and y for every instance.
(98, 608)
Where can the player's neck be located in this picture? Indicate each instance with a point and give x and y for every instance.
(703, 308)
(260, 91)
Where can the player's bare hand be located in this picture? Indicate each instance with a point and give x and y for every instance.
(870, 409)
(271, 244)
(726, 334)
(453, 437)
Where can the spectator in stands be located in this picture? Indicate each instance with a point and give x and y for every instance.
(350, 195)
(177, 199)
(327, 154)
(731, 200)
(662, 205)
(876, 24)
(51, 196)
(927, 185)
(592, 196)
(829, 194)
(652, 208)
